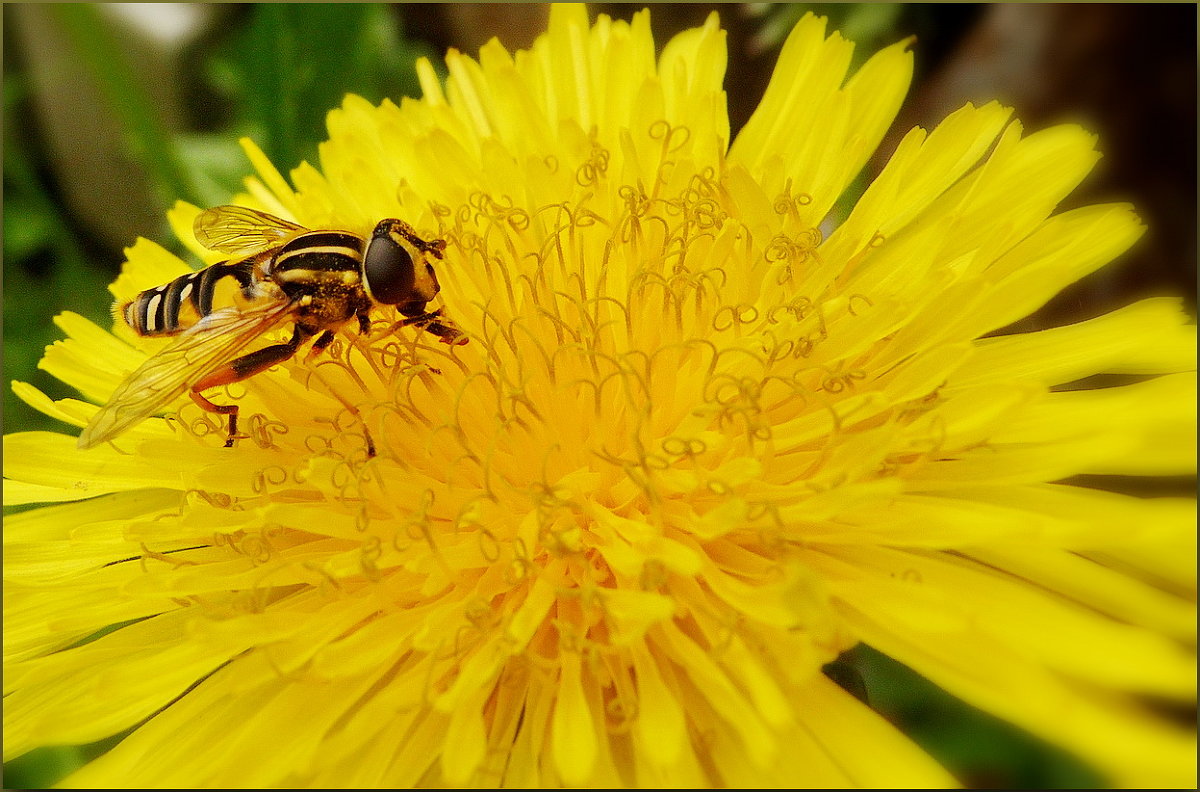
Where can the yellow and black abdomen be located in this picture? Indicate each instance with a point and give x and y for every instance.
(175, 306)
(324, 266)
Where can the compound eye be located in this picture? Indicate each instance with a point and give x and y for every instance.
(388, 271)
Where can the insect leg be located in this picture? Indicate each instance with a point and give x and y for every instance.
(323, 340)
(223, 409)
(239, 369)
(448, 334)
(412, 320)
(433, 322)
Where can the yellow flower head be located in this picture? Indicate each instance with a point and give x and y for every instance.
(702, 440)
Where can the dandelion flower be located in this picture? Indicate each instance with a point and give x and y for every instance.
(702, 441)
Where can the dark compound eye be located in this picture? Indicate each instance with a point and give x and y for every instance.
(388, 270)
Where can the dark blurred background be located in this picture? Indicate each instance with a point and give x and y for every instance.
(114, 111)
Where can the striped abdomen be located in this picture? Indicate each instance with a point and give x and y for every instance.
(174, 306)
(301, 266)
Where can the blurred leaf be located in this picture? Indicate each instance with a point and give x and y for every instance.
(292, 63)
(149, 141)
(869, 25)
(979, 749)
(28, 226)
(41, 768)
(44, 268)
(32, 220)
(216, 163)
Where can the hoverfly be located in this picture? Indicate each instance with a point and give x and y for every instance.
(316, 279)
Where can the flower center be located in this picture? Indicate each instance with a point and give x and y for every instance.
(621, 465)
(600, 457)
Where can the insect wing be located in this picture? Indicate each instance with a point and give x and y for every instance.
(211, 342)
(239, 231)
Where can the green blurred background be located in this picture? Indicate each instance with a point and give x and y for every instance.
(114, 111)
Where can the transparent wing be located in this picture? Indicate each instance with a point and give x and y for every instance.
(240, 231)
(205, 346)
